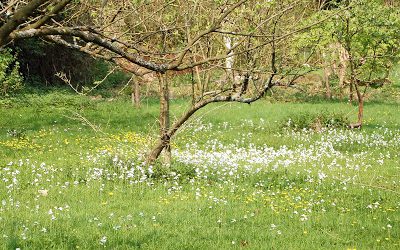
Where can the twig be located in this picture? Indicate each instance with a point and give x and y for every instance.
(78, 117)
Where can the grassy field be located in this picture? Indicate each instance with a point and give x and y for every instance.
(243, 176)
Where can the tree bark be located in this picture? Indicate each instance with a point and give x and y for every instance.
(328, 92)
(351, 92)
(18, 18)
(135, 95)
(360, 99)
(164, 141)
(90, 37)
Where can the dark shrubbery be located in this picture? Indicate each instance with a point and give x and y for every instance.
(315, 121)
(41, 61)
(11, 79)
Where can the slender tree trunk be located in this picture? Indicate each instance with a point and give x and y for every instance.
(354, 82)
(136, 92)
(229, 61)
(328, 92)
(193, 87)
(360, 111)
(351, 91)
(133, 100)
(350, 56)
(360, 99)
(164, 142)
(342, 68)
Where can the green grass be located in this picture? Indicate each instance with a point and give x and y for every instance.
(92, 201)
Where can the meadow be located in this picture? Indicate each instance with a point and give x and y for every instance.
(258, 176)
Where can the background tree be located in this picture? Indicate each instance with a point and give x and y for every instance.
(367, 40)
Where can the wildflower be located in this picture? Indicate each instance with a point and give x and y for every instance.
(303, 217)
(103, 240)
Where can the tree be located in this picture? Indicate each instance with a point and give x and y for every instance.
(372, 43)
(366, 33)
(176, 35)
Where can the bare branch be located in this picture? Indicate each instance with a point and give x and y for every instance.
(18, 18)
(92, 38)
(54, 11)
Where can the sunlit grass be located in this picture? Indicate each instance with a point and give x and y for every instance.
(238, 180)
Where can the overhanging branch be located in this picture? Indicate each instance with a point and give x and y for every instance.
(90, 38)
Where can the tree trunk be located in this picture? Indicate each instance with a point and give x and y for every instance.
(155, 152)
(229, 61)
(328, 92)
(360, 99)
(360, 110)
(344, 58)
(136, 92)
(164, 142)
(354, 84)
(351, 92)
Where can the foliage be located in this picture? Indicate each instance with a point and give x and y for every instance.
(368, 30)
(372, 39)
(41, 61)
(315, 121)
(10, 78)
